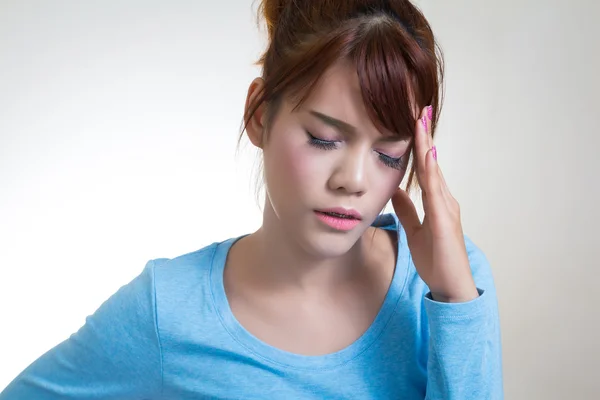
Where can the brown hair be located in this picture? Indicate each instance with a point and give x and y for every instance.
(398, 62)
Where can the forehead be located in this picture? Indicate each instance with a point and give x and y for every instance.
(338, 88)
(338, 94)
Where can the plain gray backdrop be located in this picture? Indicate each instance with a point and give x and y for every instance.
(118, 130)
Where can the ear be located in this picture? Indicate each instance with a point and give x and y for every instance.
(255, 127)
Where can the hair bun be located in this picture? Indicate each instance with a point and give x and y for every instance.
(271, 11)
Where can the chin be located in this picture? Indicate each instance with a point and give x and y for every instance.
(322, 243)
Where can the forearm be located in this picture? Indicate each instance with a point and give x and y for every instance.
(465, 360)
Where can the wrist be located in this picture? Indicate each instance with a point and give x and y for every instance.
(457, 294)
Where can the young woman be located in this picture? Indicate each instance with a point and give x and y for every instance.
(329, 298)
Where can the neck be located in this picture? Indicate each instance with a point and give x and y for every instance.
(279, 261)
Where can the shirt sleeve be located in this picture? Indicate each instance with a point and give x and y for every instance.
(465, 355)
(114, 355)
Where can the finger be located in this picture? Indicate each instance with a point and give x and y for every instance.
(444, 185)
(445, 189)
(424, 201)
(422, 146)
(435, 199)
(406, 211)
(429, 130)
(450, 200)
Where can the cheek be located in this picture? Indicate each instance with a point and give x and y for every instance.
(291, 167)
(386, 184)
(297, 163)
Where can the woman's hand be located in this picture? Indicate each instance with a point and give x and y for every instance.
(437, 244)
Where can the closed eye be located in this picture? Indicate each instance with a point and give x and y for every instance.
(391, 162)
(321, 143)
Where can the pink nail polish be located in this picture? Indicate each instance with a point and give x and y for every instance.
(434, 152)
(430, 112)
(424, 121)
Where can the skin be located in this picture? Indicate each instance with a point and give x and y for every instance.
(304, 287)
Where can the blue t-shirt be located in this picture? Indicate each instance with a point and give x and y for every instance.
(170, 334)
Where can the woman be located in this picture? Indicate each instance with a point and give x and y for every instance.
(328, 299)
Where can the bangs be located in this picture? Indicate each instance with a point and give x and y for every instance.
(397, 76)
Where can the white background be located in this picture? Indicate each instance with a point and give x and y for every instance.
(118, 130)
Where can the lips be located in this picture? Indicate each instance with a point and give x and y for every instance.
(340, 219)
(339, 212)
(337, 215)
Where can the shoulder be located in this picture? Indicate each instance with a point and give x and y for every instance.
(185, 266)
(187, 275)
(140, 296)
(183, 288)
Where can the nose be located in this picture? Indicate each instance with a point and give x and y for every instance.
(350, 174)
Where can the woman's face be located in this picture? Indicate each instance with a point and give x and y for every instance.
(328, 156)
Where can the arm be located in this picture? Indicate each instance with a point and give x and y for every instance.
(464, 360)
(465, 356)
(115, 355)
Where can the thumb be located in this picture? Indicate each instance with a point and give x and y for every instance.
(406, 211)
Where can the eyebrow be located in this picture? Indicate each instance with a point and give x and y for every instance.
(336, 123)
(348, 128)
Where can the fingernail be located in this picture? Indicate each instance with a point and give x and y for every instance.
(430, 112)
(424, 121)
(434, 152)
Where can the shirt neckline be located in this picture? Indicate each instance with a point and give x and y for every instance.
(291, 360)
